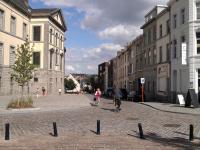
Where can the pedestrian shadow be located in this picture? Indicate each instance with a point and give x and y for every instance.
(186, 135)
(112, 110)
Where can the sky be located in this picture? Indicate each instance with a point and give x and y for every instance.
(97, 29)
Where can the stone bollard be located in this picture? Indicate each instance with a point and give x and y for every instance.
(98, 127)
(140, 131)
(55, 132)
(7, 131)
(191, 136)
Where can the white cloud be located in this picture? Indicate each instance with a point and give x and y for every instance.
(120, 33)
(70, 68)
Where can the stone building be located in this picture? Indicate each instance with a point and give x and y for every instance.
(45, 29)
(163, 56)
(150, 53)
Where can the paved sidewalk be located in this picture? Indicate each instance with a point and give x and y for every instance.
(173, 108)
(48, 103)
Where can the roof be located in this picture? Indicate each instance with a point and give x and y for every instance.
(49, 12)
(21, 5)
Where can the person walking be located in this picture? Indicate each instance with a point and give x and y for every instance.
(97, 96)
(118, 98)
(43, 91)
(59, 91)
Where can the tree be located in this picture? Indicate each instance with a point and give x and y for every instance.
(23, 67)
(69, 84)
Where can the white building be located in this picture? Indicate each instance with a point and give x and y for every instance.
(185, 48)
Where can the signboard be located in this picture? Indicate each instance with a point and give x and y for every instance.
(181, 100)
(142, 80)
(184, 53)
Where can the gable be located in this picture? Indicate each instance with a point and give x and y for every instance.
(59, 18)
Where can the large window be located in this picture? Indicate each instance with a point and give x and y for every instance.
(160, 54)
(198, 10)
(175, 49)
(160, 30)
(183, 16)
(61, 60)
(1, 53)
(168, 26)
(51, 60)
(168, 51)
(1, 19)
(56, 57)
(36, 33)
(51, 35)
(175, 21)
(12, 55)
(198, 42)
(61, 40)
(36, 58)
(24, 31)
(13, 25)
(56, 39)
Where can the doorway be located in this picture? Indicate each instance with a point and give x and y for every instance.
(199, 85)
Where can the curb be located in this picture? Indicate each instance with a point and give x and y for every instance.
(174, 112)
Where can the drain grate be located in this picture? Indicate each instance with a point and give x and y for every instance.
(132, 118)
(172, 125)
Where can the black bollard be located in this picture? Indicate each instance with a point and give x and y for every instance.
(140, 131)
(98, 127)
(7, 131)
(55, 129)
(191, 132)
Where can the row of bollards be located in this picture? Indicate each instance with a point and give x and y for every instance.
(98, 132)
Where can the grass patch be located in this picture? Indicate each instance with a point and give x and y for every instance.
(23, 102)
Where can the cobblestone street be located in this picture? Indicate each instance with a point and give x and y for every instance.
(77, 127)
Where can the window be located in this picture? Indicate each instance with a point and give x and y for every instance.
(198, 10)
(13, 25)
(175, 21)
(61, 60)
(12, 56)
(1, 19)
(149, 36)
(61, 39)
(51, 60)
(149, 53)
(160, 30)
(183, 16)
(198, 42)
(56, 39)
(51, 35)
(56, 57)
(0, 83)
(154, 33)
(182, 41)
(168, 26)
(35, 79)
(175, 49)
(160, 54)
(24, 31)
(168, 51)
(36, 33)
(36, 58)
(1, 53)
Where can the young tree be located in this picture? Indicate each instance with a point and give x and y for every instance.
(23, 67)
(69, 84)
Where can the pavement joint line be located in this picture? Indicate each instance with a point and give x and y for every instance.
(167, 111)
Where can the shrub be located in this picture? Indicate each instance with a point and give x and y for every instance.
(21, 103)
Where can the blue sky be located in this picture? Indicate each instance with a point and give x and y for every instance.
(97, 29)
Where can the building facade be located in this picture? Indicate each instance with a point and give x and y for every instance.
(150, 53)
(45, 29)
(163, 56)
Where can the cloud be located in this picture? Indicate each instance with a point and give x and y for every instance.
(120, 33)
(70, 68)
(86, 60)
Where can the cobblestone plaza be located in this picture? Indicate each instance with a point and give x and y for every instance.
(76, 122)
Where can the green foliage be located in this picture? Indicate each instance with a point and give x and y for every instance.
(21, 103)
(69, 84)
(23, 68)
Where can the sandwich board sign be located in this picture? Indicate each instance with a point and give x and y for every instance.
(142, 80)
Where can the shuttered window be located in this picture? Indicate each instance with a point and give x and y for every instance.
(36, 33)
(13, 25)
(1, 53)
(1, 19)
(198, 10)
(12, 55)
(36, 58)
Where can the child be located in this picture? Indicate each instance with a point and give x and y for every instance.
(97, 96)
